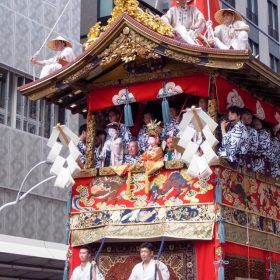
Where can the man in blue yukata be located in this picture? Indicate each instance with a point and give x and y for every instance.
(234, 137)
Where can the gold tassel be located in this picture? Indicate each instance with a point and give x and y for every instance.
(147, 183)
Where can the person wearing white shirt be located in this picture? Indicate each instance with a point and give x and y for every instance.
(232, 33)
(64, 54)
(186, 20)
(146, 269)
(87, 270)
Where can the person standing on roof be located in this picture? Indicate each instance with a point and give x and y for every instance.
(64, 54)
(186, 20)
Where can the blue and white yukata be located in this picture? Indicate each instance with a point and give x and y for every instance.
(274, 157)
(253, 143)
(131, 160)
(263, 152)
(82, 149)
(234, 143)
(142, 138)
(170, 129)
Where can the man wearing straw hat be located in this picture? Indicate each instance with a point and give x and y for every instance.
(232, 33)
(186, 20)
(64, 55)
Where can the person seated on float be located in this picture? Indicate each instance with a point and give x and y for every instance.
(260, 161)
(133, 153)
(203, 104)
(146, 270)
(273, 167)
(276, 142)
(171, 128)
(64, 54)
(247, 118)
(171, 153)
(82, 142)
(124, 132)
(113, 152)
(87, 269)
(153, 151)
(186, 20)
(143, 134)
(99, 144)
(232, 33)
(234, 142)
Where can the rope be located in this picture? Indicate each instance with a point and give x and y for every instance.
(47, 38)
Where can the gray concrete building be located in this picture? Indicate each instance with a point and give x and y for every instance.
(32, 233)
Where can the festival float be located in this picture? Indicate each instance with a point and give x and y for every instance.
(214, 221)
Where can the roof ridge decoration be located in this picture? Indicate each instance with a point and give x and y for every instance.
(130, 7)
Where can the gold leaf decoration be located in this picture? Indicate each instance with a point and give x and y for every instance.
(131, 8)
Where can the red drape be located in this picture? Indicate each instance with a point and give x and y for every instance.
(197, 84)
(227, 90)
(202, 6)
(205, 260)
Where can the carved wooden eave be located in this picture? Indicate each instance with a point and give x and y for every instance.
(126, 39)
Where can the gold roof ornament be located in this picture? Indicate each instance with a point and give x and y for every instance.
(130, 7)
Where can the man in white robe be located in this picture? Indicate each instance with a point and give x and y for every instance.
(232, 33)
(145, 270)
(64, 54)
(186, 20)
(87, 270)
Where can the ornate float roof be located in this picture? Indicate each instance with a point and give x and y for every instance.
(125, 40)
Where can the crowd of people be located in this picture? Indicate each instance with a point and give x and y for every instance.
(244, 140)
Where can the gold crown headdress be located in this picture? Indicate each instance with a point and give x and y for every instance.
(154, 128)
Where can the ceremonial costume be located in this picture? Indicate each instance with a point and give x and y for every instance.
(182, 18)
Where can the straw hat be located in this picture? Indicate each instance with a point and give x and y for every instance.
(219, 15)
(51, 43)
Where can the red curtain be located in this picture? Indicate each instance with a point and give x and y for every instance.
(202, 6)
(250, 102)
(205, 260)
(197, 84)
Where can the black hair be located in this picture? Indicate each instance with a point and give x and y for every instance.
(82, 128)
(86, 248)
(114, 110)
(234, 109)
(147, 245)
(246, 112)
(101, 132)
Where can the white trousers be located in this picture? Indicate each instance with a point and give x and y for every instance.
(187, 35)
(49, 68)
(239, 42)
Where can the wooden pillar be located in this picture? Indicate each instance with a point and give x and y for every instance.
(91, 132)
(213, 101)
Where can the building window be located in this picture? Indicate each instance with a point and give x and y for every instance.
(273, 20)
(165, 6)
(274, 63)
(4, 96)
(252, 11)
(104, 9)
(231, 2)
(254, 47)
